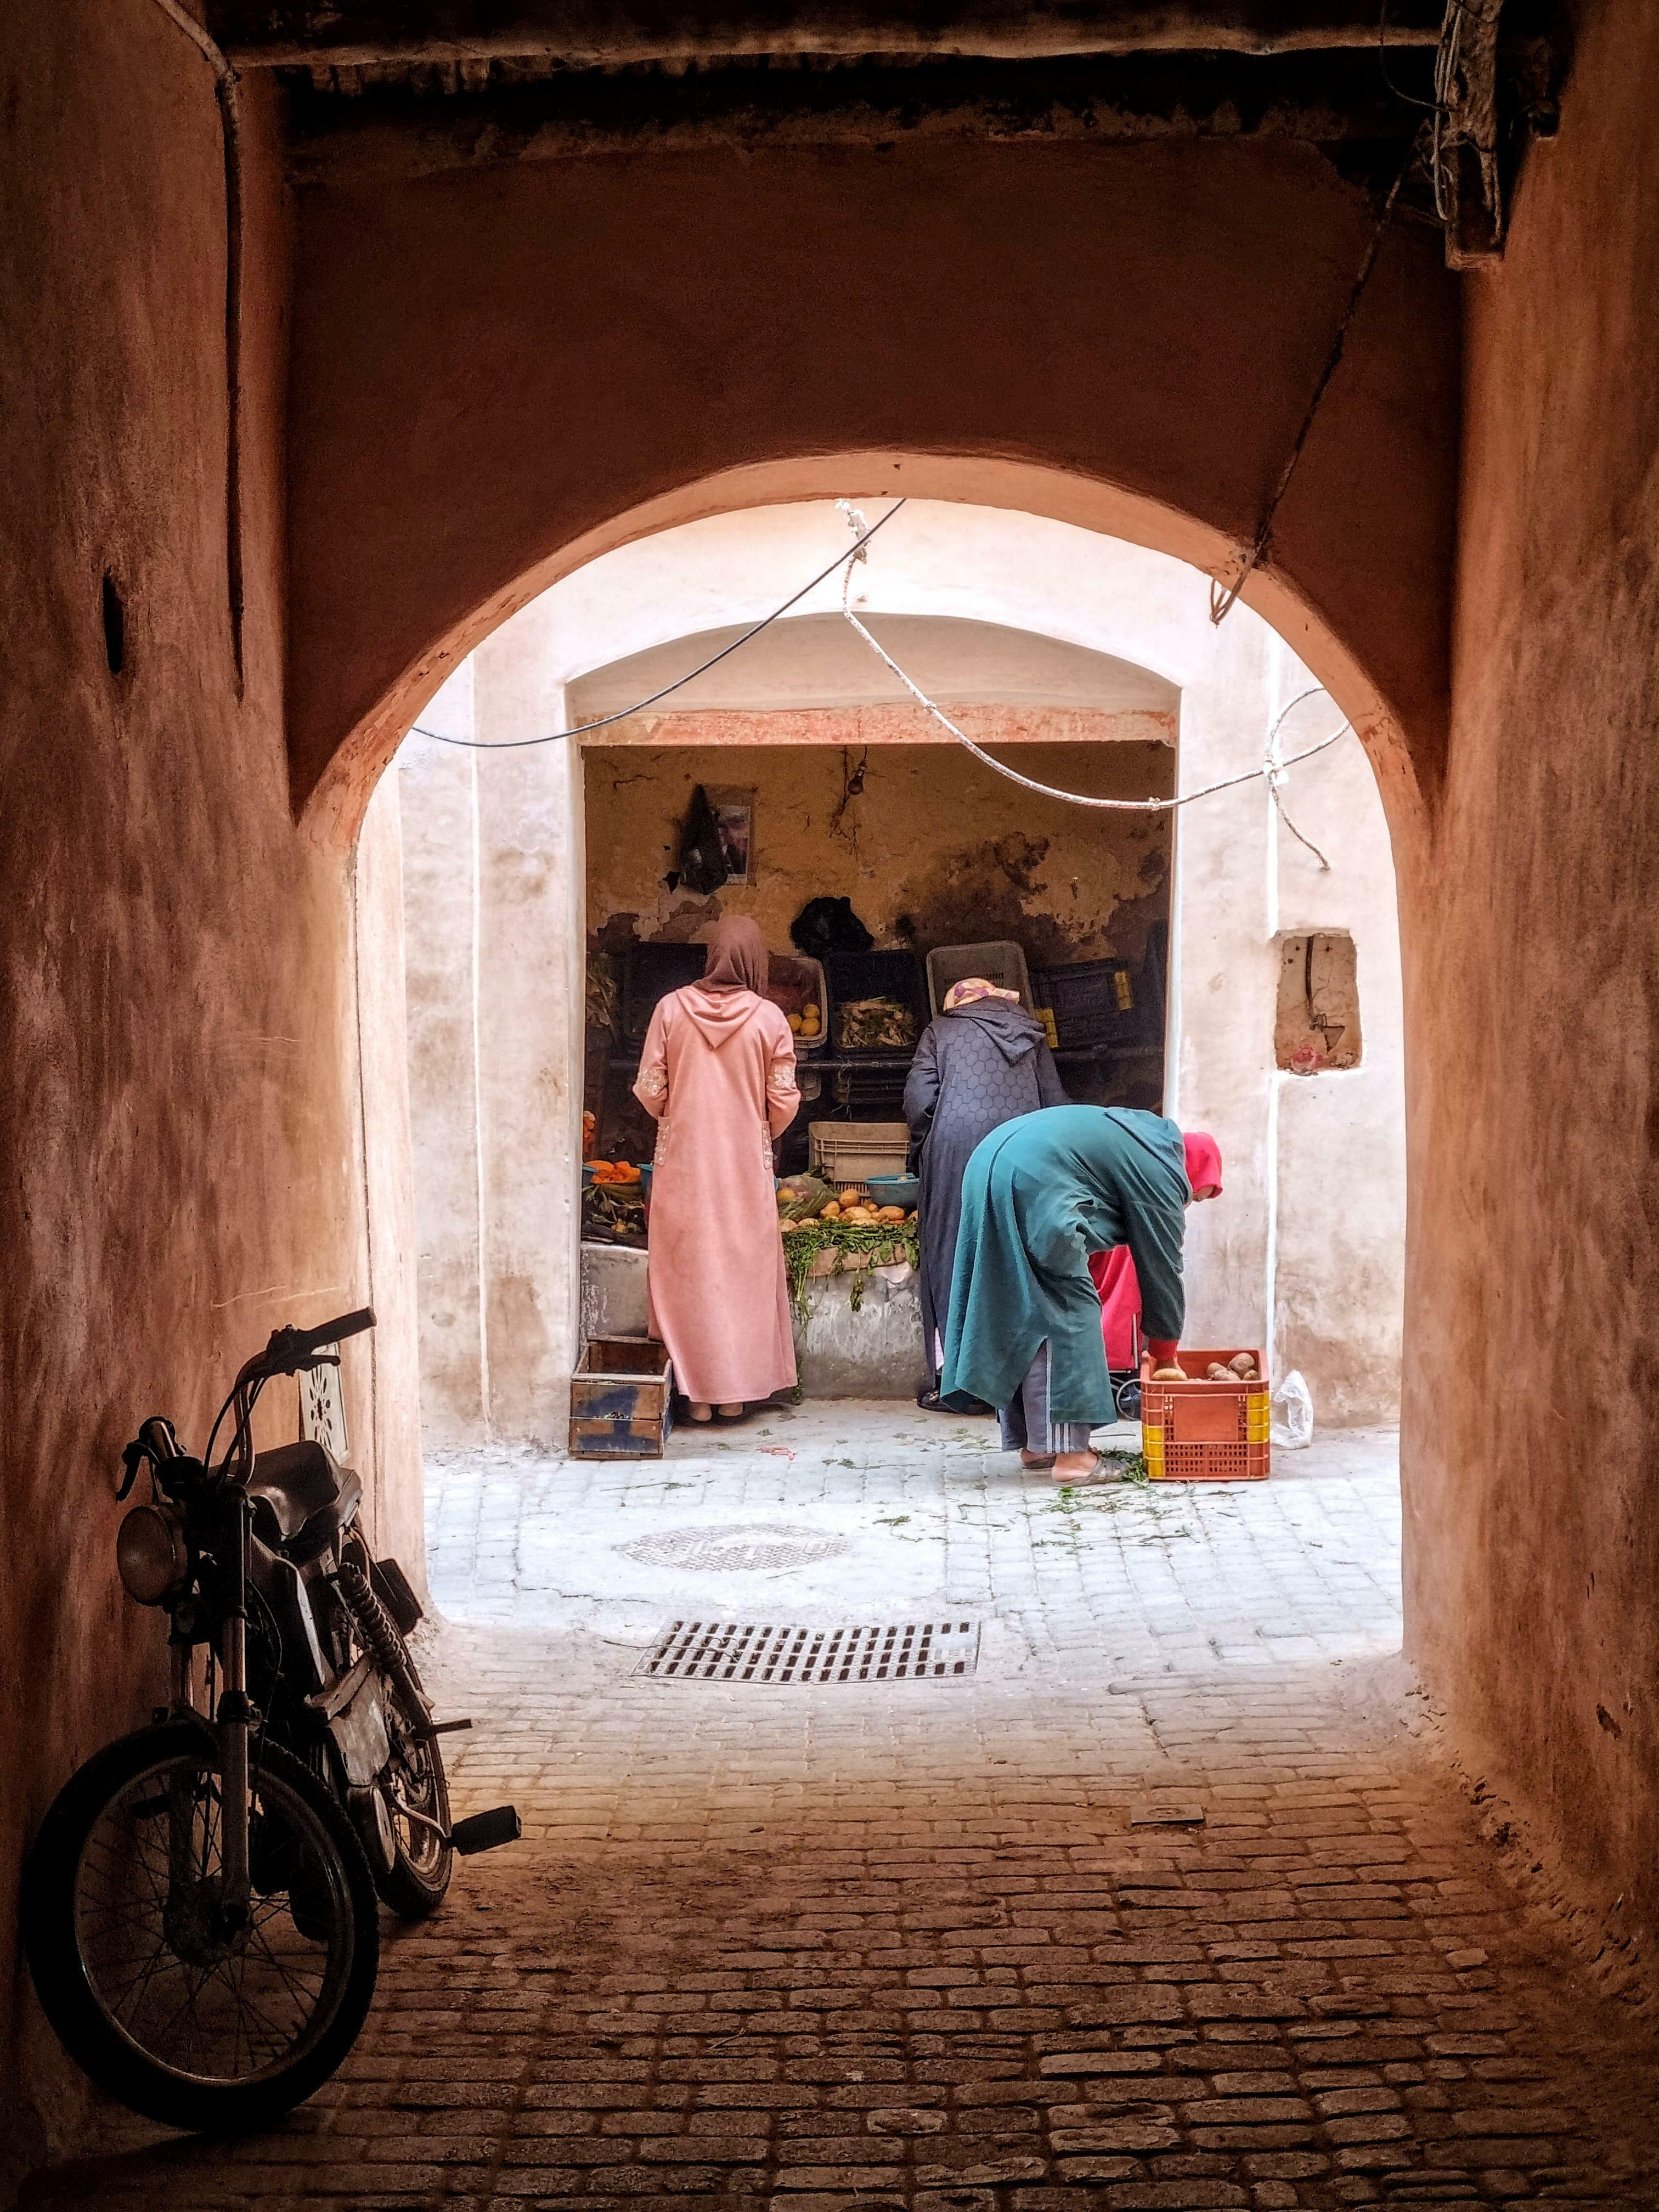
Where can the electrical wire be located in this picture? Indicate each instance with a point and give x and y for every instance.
(1409, 98)
(1223, 600)
(1272, 767)
(581, 729)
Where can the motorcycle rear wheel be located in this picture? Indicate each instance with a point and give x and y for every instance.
(414, 1884)
(176, 2012)
(417, 1879)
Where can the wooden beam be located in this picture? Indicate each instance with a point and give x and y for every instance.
(1323, 101)
(279, 33)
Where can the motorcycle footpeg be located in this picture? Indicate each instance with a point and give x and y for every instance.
(486, 1831)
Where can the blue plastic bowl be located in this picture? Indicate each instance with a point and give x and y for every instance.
(895, 1190)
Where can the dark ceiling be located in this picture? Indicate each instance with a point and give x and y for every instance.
(1371, 83)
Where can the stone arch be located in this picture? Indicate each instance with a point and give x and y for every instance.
(609, 633)
(334, 804)
(505, 364)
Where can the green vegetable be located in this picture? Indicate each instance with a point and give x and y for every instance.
(800, 1197)
(886, 1241)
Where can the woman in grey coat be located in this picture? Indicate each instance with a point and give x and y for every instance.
(984, 1061)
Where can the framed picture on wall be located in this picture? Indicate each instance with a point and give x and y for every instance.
(733, 806)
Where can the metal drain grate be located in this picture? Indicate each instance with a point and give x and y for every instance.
(761, 1651)
(743, 1548)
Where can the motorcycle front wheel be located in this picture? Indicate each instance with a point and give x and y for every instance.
(170, 2004)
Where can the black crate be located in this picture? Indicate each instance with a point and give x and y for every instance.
(1086, 1000)
(650, 972)
(900, 976)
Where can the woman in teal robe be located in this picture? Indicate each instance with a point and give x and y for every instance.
(1040, 1195)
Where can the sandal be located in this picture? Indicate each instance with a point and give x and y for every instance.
(1090, 1479)
(1037, 1462)
(957, 1402)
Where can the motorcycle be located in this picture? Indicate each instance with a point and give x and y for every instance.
(199, 1908)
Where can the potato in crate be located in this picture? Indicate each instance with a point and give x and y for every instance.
(1214, 1426)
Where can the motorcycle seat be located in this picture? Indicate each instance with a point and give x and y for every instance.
(296, 1486)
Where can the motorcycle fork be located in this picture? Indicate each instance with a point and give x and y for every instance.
(234, 1719)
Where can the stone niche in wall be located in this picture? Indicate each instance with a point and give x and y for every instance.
(1317, 1027)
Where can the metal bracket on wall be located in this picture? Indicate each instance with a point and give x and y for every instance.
(1468, 191)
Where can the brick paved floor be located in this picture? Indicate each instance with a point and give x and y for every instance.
(944, 1944)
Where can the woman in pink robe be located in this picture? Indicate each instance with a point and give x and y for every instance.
(718, 1075)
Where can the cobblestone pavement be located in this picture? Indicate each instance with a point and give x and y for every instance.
(1170, 1905)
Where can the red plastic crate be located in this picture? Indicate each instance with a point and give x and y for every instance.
(1200, 1431)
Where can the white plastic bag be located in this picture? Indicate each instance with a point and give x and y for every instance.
(1295, 1400)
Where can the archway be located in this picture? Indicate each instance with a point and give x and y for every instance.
(1393, 710)
(959, 565)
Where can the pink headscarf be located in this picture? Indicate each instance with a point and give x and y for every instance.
(737, 956)
(972, 988)
(1203, 1161)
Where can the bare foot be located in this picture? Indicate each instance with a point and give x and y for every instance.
(1036, 1458)
(699, 1412)
(732, 1412)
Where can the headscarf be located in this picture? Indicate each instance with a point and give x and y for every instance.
(1203, 1160)
(737, 956)
(972, 987)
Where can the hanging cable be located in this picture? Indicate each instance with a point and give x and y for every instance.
(1409, 98)
(1272, 767)
(604, 722)
(1225, 598)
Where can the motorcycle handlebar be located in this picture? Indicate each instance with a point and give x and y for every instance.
(291, 1349)
(344, 1325)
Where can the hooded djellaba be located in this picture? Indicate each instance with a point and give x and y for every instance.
(717, 1073)
(982, 1061)
(1039, 1196)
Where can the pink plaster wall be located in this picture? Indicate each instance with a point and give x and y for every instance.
(503, 369)
(1532, 1373)
(177, 1089)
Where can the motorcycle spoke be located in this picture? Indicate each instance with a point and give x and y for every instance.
(247, 2008)
(123, 1863)
(139, 1984)
(293, 1982)
(161, 2039)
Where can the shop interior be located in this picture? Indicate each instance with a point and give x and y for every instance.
(946, 868)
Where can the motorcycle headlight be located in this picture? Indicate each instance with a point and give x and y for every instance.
(151, 1555)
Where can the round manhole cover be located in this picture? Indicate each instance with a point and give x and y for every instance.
(747, 1545)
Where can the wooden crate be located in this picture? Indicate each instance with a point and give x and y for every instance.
(620, 1398)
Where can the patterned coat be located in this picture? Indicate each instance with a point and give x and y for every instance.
(974, 1069)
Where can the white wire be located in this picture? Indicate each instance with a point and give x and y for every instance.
(604, 722)
(1272, 767)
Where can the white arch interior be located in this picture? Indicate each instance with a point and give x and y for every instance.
(816, 660)
(997, 607)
